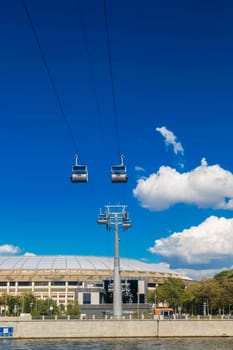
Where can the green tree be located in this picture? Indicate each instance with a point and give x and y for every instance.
(188, 301)
(209, 292)
(27, 302)
(46, 307)
(224, 297)
(151, 296)
(216, 293)
(226, 273)
(3, 303)
(172, 292)
(62, 308)
(14, 305)
(73, 308)
(194, 299)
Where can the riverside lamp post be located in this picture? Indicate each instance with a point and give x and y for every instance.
(156, 294)
(115, 215)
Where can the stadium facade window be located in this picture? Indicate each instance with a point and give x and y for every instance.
(3, 284)
(99, 284)
(74, 283)
(41, 283)
(151, 285)
(24, 283)
(58, 283)
(12, 284)
(86, 298)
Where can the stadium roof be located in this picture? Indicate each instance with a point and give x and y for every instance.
(64, 262)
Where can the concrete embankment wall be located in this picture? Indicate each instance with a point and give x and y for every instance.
(119, 328)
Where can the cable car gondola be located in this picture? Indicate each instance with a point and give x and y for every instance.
(118, 172)
(79, 172)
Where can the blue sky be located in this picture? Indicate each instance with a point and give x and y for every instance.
(173, 79)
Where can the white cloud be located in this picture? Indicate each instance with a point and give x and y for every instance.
(139, 168)
(200, 274)
(170, 139)
(163, 267)
(8, 249)
(210, 243)
(205, 186)
(29, 254)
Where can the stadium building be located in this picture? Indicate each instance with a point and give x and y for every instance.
(87, 279)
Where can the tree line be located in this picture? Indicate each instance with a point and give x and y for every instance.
(28, 303)
(213, 296)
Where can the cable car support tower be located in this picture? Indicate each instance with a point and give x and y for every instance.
(115, 215)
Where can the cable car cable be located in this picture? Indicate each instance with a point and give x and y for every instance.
(50, 75)
(118, 173)
(91, 70)
(89, 58)
(111, 76)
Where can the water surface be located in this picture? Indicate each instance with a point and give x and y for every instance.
(120, 344)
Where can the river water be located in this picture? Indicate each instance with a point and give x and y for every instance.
(120, 344)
